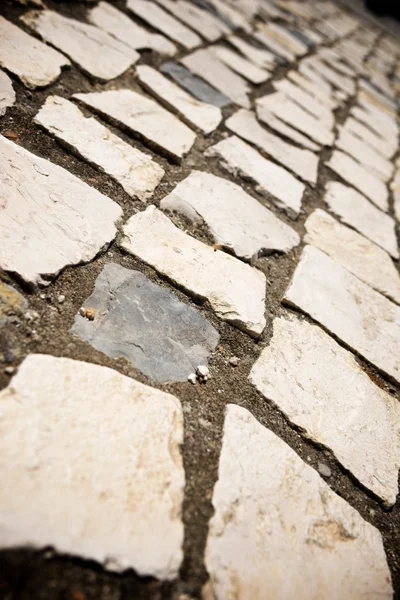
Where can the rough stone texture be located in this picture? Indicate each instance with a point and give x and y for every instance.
(239, 157)
(359, 177)
(306, 101)
(146, 324)
(380, 127)
(355, 210)
(384, 146)
(356, 314)
(369, 158)
(203, 117)
(11, 302)
(320, 388)
(140, 115)
(49, 217)
(268, 41)
(35, 64)
(342, 82)
(138, 174)
(235, 291)
(321, 91)
(269, 119)
(354, 252)
(262, 58)
(236, 220)
(97, 454)
(279, 531)
(208, 25)
(241, 65)
(285, 38)
(302, 162)
(95, 51)
(395, 187)
(7, 93)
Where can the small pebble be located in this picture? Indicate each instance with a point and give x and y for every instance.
(324, 470)
(31, 315)
(192, 378)
(372, 512)
(9, 370)
(43, 296)
(90, 314)
(202, 371)
(234, 361)
(61, 298)
(82, 311)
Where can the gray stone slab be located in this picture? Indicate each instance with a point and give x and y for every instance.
(194, 85)
(146, 324)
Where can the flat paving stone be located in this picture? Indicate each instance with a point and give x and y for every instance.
(321, 91)
(355, 210)
(306, 101)
(268, 41)
(383, 145)
(49, 219)
(302, 162)
(241, 65)
(323, 71)
(11, 303)
(7, 93)
(268, 118)
(203, 117)
(261, 58)
(359, 177)
(235, 220)
(235, 291)
(95, 51)
(140, 115)
(395, 187)
(203, 22)
(239, 158)
(285, 38)
(146, 324)
(351, 310)
(136, 171)
(35, 63)
(379, 124)
(158, 18)
(98, 456)
(279, 531)
(369, 158)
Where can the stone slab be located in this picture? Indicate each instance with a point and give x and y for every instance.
(235, 291)
(352, 311)
(98, 456)
(268, 118)
(7, 93)
(35, 63)
(240, 158)
(241, 65)
(11, 303)
(140, 115)
(380, 125)
(321, 91)
(95, 51)
(342, 82)
(273, 45)
(285, 37)
(203, 22)
(279, 531)
(261, 58)
(194, 85)
(49, 217)
(383, 145)
(369, 158)
(395, 187)
(231, 16)
(306, 101)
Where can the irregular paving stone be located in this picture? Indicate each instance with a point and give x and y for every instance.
(138, 174)
(146, 324)
(321, 91)
(239, 157)
(302, 162)
(158, 18)
(306, 101)
(11, 302)
(7, 93)
(385, 147)
(356, 314)
(395, 187)
(49, 217)
(285, 39)
(234, 18)
(279, 531)
(379, 124)
(235, 291)
(320, 388)
(261, 58)
(202, 116)
(269, 119)
(369, 158)
(35, 64)
(240, 65)
(208, 25)
(355, 210)
(268, 41)
(197, 87)
(97, 454)
(120, 26)
(94, 50)
(140, 115)
(353, 251)
(340, 81)
(236, 220)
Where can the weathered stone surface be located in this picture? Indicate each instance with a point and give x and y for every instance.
(234, 18)
(95, 51)
(362, 318)
(262, 58)
(236, 220)
(342, 82)
(267, 41)
(385, 147)
(97, 454)
(239, 157)
(285, 38)
(35, 64)
(240, 65)
(138, 174)
(321, 91)
(194, 85)
(158, 18)
(353, 251)
(381, 127)
(395, 187)
(7, 94)
(302, 162)
(235, 291)
(279, 531)
(269, 119)
(140, 115)
(11, 302)
(369, 158)
(361, 178)
(201, 116)
(49, 217)
(306, 101)
(205, 23)
(146, 324)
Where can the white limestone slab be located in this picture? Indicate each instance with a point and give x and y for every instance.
(235, 220)
(124, 29)
(342, 82)
(7, 93)
(302, 162)
(377, 121)
(35, 64)
(158, 18)
(273, 45)
(98, 456)
(231, 14)
(95, 51)
(235, 291)
(241, 65)
(207, 66)
(239, 157)
(321, 90)
(284, 39)
(140, 115)
(351, 310)
(203, 22)
(353, 251)
(203, 117)
(49, 219)
(261, 58)
(306, 101)
(383, 145)
(269, 119)
(138, 174)
(369, 158)
(279, 531)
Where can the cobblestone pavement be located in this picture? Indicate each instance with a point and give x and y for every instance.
(199, 301)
